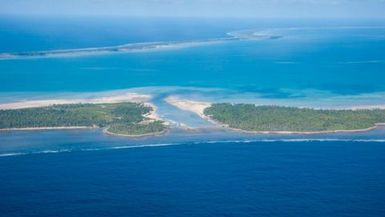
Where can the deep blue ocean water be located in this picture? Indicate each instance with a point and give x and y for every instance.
(74, 173)
(223, 179)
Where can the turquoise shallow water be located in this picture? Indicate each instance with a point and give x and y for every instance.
(205, 172)
(322, 57)
(20, 143)
(314, 63)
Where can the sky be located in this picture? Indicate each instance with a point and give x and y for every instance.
(198, 8)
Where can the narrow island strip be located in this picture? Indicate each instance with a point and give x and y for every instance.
(119, 98)
(147, 46)
(121, 119)
(284, 120)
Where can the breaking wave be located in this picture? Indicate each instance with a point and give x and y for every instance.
(241, 141)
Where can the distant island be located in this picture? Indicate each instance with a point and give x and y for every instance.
(279, 119)
(144, 46)
(124, 119)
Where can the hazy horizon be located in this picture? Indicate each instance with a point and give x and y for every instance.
(275, 9)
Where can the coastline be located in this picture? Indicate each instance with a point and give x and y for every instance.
(105, 131)
(142, 46)
(126, 97)
(129, 97)
(153, 115)
(377, 125)
(198, 108)
(47, 128)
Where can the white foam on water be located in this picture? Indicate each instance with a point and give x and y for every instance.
(12, 154)
(240, 141)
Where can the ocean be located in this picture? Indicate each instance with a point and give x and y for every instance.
(205, 172)
(343, 58)
(222, 179)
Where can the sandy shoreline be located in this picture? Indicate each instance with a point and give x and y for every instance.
(126, 97)
(153, 114)
(198, 107)
(47, 128)
(303, 133)
(105, 131)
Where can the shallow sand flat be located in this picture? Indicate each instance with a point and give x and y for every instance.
(126, 97)
(197, 107)
(367, 107)
(153, 115)
(378, 125)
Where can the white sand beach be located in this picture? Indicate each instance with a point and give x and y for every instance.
(47, 128)
(197, 107)
(116, 98)
(126, 97)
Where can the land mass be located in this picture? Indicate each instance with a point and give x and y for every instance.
(284, 120)
(127, 118)
(140, 119)
(136, 47)
(123, 97)
(279, 119)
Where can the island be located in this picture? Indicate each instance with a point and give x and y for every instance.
(280, 119)
(124, 119)
(135, 119)
(144, 46)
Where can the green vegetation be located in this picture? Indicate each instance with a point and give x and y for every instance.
(275, 118)
(137, 129)
(126, 118)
